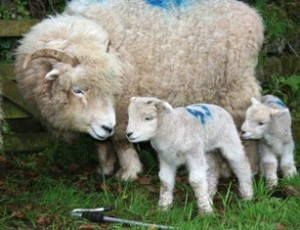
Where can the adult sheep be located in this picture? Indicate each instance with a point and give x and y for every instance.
(180, 51)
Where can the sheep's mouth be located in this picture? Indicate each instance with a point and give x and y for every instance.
(95, 135)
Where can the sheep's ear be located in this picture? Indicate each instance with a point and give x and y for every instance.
(254, 101)
(278, 112)
(163, 106)
(52, 75)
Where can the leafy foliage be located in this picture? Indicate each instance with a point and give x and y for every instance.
(287, 89)
(14, 9)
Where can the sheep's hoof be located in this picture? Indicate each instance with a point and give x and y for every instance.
(123, 174)
(105, 171)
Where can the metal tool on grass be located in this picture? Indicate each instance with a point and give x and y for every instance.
(98, 215)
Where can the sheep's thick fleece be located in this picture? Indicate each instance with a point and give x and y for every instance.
(185, 52)
(182, 51)
(269, 120)
(185, 136)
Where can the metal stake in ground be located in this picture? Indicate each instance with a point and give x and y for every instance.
(97, 215)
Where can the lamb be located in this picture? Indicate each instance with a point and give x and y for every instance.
(184, 136)
(191, 51)
(269, 120)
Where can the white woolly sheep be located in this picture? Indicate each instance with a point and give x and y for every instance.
(180, 51)
(269, 120)
(184, 136)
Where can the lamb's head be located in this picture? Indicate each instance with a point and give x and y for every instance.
(258, 119)
(144, 114)
(76, 96)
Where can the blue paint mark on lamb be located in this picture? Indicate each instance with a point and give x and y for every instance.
(201, 112)
(280, 103)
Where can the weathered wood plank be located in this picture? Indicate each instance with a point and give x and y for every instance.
(7, 70)
(10, 91)
(16, 28)
(24, 142)
(12, 111)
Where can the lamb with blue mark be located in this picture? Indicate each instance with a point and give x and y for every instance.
(269, 121)
(201, 112)
(186, 136)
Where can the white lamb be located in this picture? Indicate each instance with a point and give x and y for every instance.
(183, 136)
(270, 122)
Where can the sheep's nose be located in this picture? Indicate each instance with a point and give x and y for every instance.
(107, 129)
(129, 134)
(243, 132)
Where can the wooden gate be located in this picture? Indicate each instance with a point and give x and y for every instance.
(25, 133)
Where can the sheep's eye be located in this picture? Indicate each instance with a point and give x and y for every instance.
(148, 118)
(78, 91)
(261, 123)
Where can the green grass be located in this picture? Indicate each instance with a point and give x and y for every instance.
(39, 190)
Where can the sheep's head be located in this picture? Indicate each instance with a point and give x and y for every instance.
(75, 95)
(144, 113)
(258, 119)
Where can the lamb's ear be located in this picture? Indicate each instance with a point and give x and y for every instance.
(278, 112)
(52, 75)
(163, 106)
(132, 99)
(254, 101)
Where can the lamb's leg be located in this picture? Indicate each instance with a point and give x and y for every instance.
(269, 166)
(234, 153)
(107, 158)
(213, 173)
(197, 166)
(166, 175)
(130, 164)
(287, 163)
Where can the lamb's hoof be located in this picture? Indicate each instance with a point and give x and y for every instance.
(123, 174)
(207, 210)
(291, 173)
(271, 184)
(164, 207)
(246, 192)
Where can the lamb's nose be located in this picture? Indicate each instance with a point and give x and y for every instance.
(129, 134)
(243, 132)
(107, 129)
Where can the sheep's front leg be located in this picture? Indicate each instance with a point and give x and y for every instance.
(107, 158)
(166, 175)
(287, 163)
(251, 150)
(269, 165)
(197, 166)
(130, 164)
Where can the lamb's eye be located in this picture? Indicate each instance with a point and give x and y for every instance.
(78, 92)
(261, 123)
(148, 118)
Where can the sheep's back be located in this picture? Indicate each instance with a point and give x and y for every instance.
(205, 51)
